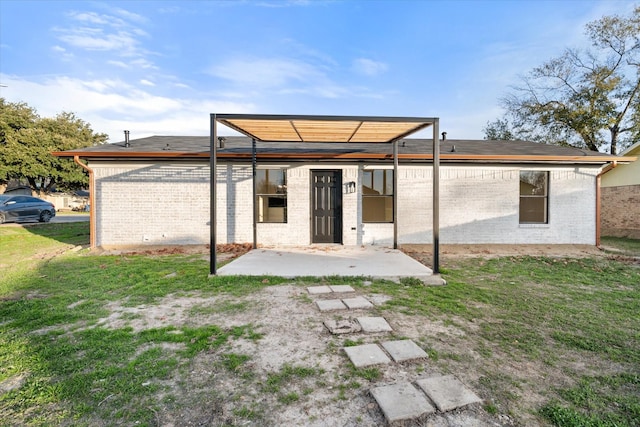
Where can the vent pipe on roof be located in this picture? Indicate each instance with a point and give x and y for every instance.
(221, 140)
(126, 139)
(444, 136)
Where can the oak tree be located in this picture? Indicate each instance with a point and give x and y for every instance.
(26, 143)
(585, 98)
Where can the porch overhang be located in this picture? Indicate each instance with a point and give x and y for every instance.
(301, 129)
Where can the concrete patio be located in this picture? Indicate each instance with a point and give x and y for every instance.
(330, 260)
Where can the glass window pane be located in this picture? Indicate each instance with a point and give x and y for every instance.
(534, 189)
(271, 197)
(533, 183)
(533, 209)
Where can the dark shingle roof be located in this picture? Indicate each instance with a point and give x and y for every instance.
(409, 149)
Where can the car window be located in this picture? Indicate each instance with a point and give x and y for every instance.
(22, 199)
(4, 198)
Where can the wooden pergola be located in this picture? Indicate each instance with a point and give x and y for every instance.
(305, 129)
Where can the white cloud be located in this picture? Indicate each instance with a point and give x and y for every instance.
(91, 31)
(146, 82)
(368, 67)
(265, 72)
(112, 105)
(96, 39)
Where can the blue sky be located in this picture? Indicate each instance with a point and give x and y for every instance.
(160, 67)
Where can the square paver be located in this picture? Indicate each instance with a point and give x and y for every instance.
(330, 304)
(374, 324)
(366, 355)
(447, 392)
(357, 302)
(403, 350)
(401, 402)
(341, 289)
(345, 326)
(317, 290)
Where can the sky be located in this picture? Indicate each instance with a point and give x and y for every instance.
(161, 67)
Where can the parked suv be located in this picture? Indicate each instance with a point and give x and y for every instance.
(25, 208)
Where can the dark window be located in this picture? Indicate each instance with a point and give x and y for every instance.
(377, 195)
(534, 197)
(271, 195)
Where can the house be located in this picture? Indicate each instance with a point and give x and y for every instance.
(620, 197)
(156, 190)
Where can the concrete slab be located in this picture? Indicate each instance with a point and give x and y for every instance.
(357, 303)
(403, 350)
(374, 324)
(341, 289)
(318, 290)
(326, 260)
(401, 402)
(344, 326)
(366, 355)
(447, 392)
(330, 305)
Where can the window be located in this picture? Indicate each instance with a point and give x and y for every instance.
(534, 197)
(271, 195)
(377, 195)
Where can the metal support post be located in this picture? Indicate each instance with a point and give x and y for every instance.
(213, 181)
(254, 165)
(436, 196)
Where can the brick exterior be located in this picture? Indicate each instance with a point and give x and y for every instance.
(620, 211)
(168, 203)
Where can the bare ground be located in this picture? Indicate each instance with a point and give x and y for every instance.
(203, 392)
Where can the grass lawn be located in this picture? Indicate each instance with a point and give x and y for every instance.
(552, 341)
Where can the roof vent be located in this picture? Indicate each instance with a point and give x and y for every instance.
(126, 139)
(221, 140)
(444, 136)
(453, 148)
(167, 148)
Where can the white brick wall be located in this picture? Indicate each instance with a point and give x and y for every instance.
(168, 203)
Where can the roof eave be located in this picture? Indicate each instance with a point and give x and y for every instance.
(449, 158)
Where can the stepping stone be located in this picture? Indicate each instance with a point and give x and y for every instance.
(340, 289)
(401, 402)
(374, 324)
(403, 350)
(345, 326)
(330, 305)
(447, 392)
(317, 290)
(366, 355)
(357, 302)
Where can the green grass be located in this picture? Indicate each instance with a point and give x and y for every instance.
(60, 366)
(627, 246)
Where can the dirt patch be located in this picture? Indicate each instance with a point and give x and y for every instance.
(293, 335)
(492, 251)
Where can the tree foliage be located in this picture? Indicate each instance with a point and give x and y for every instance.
(26, 143)
(584, 98)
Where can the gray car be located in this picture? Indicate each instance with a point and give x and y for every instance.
(25, 208)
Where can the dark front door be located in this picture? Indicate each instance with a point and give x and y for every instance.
(326, 206)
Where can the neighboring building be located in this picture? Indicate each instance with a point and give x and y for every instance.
(156, 191)
(620, 197)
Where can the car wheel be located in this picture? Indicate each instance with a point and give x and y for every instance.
(1, 218)
(45, 216)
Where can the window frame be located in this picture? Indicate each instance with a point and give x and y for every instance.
(386, 192)
(267, 196)
(544, 197)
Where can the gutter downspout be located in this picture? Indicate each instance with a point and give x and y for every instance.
(598, 196)
(92, 206)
